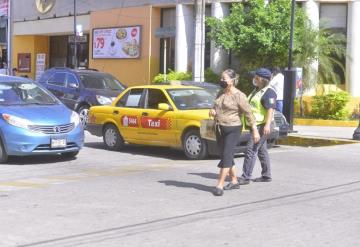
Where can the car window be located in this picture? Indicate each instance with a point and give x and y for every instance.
(57, 79)
(70, 78)
(131, 98)
(24, 93)
(100, 81)
(45, 76)
(188, 99)
(154, 98)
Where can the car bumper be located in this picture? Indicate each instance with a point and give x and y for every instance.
(21, 142)
(95, 129)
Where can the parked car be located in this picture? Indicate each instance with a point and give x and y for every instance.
(81, 89)
(159, 115)
(33, 121)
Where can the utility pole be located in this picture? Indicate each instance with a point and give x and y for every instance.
(75, 35)
(290, 75)
(199, 47)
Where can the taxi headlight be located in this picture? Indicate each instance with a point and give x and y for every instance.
(16, 121)
(75, 118)
(103, 100)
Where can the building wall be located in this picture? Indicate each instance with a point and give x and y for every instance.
(33, 45)
(130, 71)
(26, 9)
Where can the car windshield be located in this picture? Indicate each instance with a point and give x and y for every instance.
(101, 81)
(188, 99)
(24, 93)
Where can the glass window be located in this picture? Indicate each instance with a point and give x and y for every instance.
(154, 98)
(70, 78)
(334, 16)
(100, 81)
(122, 100)
(24, 93)
(188, 99)
(58, 79)
(131, 99)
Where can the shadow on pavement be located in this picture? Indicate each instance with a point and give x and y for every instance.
(206, 175)
(187, 185)
(36, 159)
(161, 152)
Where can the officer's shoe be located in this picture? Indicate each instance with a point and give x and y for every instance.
(262, 179)
(243, 181)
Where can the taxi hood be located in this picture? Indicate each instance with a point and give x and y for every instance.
(197, 114)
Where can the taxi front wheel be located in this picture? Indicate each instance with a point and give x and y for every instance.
(194, 146)
(112, 138)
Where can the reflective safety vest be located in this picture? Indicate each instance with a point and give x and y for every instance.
(258, 110)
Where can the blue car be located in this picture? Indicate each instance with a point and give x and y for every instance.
(33, 121)
(81, 89)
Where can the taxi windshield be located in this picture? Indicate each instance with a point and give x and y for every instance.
(189, 99)
(24, 93)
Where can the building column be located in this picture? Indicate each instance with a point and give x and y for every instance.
(312, 9)
(353, 49)
(184, 36)
(219, 58)
(199, 41)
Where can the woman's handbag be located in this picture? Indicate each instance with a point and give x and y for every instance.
(207, 129)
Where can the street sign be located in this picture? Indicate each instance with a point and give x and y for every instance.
(165, 32)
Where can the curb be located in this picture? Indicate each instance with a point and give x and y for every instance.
(322, 122)
(313, 141)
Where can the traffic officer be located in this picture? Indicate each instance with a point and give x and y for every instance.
(263, 102)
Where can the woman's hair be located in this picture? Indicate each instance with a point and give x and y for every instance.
(232, 74)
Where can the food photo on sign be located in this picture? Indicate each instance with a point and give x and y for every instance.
(121, 42)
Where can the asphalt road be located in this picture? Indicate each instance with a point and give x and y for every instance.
(155, 197)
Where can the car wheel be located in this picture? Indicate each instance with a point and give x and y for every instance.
(84, 115)
(112, 138)
(194, 146)
(70, 155)
(3, 154)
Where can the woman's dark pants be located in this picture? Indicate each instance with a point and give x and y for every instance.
(227, 138)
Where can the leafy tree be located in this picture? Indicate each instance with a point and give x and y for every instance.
(257, 33)
(259, 36)
(320, 46)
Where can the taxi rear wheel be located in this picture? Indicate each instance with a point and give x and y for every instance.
(112, 138)
(3, 154)
(194, 146)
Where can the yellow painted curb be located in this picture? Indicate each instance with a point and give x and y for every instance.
(321, 122)
(311, 141)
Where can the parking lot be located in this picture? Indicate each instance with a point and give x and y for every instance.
(147, 196)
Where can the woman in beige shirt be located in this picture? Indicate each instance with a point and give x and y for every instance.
(229, 106)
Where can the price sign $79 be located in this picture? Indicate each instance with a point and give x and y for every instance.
(99, 43)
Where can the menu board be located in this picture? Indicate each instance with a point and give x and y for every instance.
(119, 42)
(24, 62)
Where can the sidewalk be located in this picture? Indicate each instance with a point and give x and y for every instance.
(324, 132)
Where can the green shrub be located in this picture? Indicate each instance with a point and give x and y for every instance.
(211, 76)
(173, 76)
(330, 106)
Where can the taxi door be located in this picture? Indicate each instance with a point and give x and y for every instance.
(127, 113)
(157, 126)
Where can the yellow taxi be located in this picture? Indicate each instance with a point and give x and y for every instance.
(157, 115)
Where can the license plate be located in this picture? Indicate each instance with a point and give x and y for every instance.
(58, 143)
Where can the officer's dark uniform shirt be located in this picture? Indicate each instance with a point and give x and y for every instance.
(268, 100)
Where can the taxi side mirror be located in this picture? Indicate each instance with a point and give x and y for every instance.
(164, 107)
